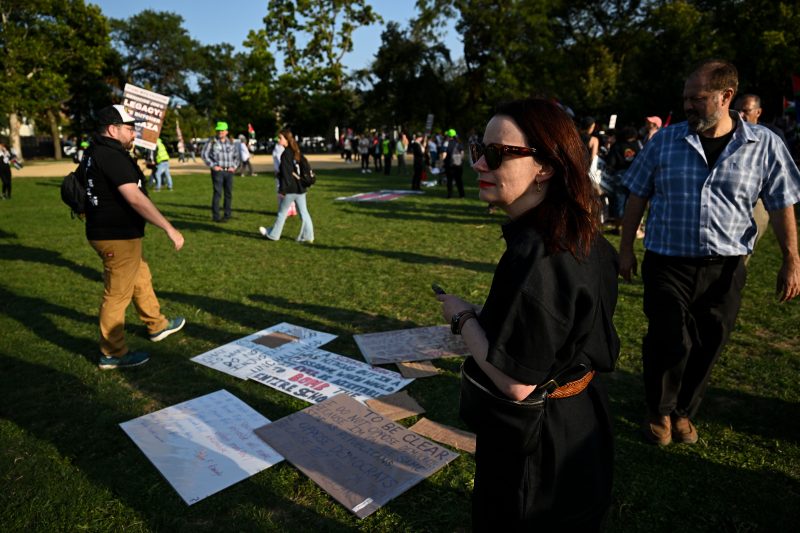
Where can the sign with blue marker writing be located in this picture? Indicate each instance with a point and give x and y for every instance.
(362, 459)
(203, 445)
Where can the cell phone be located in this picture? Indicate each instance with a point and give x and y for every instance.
(437, 289)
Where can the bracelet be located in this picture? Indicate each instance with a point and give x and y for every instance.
(459, 319)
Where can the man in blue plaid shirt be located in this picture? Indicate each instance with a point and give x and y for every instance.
(702, 178)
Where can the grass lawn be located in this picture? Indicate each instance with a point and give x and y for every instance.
(65, 465)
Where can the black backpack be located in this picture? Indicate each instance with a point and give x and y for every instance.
(73, 190)
(304, 173)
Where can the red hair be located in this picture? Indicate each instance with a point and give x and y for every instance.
(568, 217)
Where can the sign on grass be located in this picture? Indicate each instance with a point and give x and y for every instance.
(203, 445)
(362, 459)
(315, 375)
(377, 196)
(416, 344)
(238, 358)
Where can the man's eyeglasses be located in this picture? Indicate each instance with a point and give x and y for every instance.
(125, 127)
(494, 152)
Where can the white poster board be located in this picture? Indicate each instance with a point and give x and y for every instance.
(416, 344)
(315, 375)
(147, 105)
(238, 358)
(203, 445)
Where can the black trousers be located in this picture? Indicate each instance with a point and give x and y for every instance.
(416, 179)
(5, 175)
(455, 173)
(691, 306)
(222, 181)
(565, 485)
(387, 164)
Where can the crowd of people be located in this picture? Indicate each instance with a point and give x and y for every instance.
(544, 453)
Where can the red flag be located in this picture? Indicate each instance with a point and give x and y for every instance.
(796, 84)
(669, 119)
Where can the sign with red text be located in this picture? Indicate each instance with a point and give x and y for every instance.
(149, 106)
(203, 445)
(362, 459)
(415, 344)
(315, 375)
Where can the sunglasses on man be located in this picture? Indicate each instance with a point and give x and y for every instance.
(494, 152)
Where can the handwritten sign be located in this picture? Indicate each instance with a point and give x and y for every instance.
(203, 445)
(315, 375)
(147, 105)
(416, 344)
(240, 357)
(359, 457)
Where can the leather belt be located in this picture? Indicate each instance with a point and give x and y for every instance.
(573, 387)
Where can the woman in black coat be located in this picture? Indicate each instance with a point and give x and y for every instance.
(543, 333)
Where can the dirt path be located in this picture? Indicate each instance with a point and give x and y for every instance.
(262, 164)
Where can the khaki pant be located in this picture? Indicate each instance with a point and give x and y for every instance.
(761, 217)
(126, 277)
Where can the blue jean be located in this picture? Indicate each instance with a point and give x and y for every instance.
(222, 181)
(161, 169)
(617, 193)
(306, 226)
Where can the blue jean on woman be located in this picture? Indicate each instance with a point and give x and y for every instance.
(306, 227)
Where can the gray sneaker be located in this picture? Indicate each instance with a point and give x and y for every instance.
(128, 360)
(176, 324)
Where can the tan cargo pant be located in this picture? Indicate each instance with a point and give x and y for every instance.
(126, 277)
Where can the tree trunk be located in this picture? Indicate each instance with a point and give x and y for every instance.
(52, 118)
(13, 133)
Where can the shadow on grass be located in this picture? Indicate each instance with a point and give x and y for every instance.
(48, 257)
(6, 235)
(34, 314)
(648, 478)
(413, 258)
(78, 421)
(438, 212)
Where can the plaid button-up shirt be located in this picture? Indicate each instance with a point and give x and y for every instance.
(697, 212)
(224, 154)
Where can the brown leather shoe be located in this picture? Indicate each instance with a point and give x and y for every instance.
(657, 430)
(683, 431)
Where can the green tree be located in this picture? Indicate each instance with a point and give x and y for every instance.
(157, 52)
(315, 80)
(38, 76)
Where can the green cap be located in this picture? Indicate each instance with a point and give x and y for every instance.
(222, 126)
(84, 144)
(451, 133)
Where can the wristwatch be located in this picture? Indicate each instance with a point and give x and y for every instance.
(459, 319)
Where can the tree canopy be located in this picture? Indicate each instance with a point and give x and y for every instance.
(62, 58)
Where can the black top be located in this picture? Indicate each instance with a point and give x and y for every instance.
(547, 313)
(713, 147)
(108, 215)
(622, 154)
(288, 184)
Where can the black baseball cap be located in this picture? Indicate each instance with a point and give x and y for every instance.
(115, 114)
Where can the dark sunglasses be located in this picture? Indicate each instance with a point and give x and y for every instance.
(494, 152)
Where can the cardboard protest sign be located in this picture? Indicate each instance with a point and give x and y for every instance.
(457, 438)
(237, 358)
(396, 406)
(359, 457)
(203, 445)
(416, 344)
(147, 105)
(315, 375)
(417, 369)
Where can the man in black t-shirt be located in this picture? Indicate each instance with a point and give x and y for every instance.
(116, 211)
